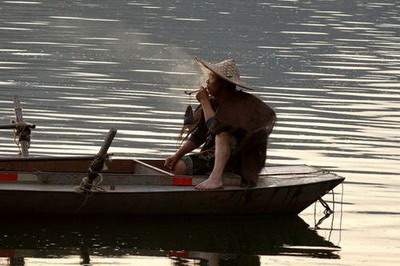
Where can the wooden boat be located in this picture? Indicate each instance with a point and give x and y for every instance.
(80, 185)
(47, 185)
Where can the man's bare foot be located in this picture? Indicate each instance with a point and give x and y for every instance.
(210, 184)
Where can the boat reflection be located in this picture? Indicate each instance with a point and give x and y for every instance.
(208, 240)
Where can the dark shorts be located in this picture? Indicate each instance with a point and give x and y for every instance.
(199, 163)
(203, 163)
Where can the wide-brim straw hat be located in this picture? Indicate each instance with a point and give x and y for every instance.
(226, 70)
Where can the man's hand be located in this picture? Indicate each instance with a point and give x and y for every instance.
(171, 161)
(203, 95)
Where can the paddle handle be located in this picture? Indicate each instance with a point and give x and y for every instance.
(98, 163)
(107, 142)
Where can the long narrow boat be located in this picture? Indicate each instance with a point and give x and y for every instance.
(49, 185)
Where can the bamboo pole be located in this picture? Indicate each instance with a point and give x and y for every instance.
(23, 131)
(18, 110)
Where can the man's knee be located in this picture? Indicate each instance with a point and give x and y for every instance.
(180, 168)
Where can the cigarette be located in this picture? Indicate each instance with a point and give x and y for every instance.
(191, 92)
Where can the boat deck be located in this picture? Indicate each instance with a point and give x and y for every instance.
(277, 176)
(269, 182)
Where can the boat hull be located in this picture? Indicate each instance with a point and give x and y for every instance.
(158, 201)
(47, 186)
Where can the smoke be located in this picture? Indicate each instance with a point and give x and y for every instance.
(163, 64)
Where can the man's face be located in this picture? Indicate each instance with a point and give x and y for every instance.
(212, 84)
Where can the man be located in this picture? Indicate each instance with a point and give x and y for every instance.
(233, 126)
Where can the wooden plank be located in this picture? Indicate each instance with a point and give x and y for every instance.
(71, 178)
(297, 179)
(49, 158)
(80, 163)
(44, 165)
(158, 170)
(164, 187)
(288, 170)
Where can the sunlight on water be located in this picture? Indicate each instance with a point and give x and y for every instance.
(84, 19)
(329, 69)
(160, 71)
(32, 54)
(42, 23)
(23, 2)
(79, 62)
(190, 19)
(14, 29)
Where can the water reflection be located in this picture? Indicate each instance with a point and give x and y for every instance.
(204, 240)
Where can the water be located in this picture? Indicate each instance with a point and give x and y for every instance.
(330, 69)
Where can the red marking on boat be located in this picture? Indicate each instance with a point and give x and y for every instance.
(7, 253)
(8, 177)
(178, 253)
(182, 181)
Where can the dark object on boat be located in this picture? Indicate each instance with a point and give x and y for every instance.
(22, 130)
(97, 164)
(188, 119)
(46, 185)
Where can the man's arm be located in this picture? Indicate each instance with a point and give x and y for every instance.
(187, 147)
(207, 110)
(204, 99)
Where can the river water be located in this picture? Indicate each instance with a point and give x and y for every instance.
(330, 69)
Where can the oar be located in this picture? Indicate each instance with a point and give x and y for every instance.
(153, 167)
(98, 163)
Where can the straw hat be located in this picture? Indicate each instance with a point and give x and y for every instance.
(226, 69)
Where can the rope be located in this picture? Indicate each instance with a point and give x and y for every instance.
(84, 186)
(333, 215)
(327, 212)
(88, 191)
(315, 214)
(341, 215)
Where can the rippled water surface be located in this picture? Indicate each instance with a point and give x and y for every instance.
(329, 68)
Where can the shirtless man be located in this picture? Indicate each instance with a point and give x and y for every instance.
(230, 134)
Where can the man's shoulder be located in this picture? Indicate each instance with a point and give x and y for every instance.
(247, 95)
(251, 100)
